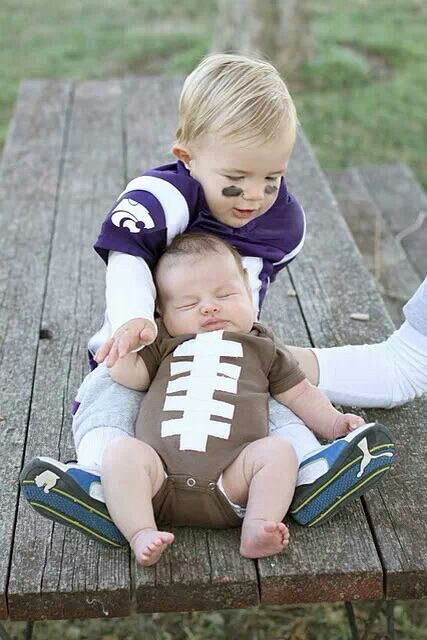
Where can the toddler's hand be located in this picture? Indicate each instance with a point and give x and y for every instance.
(345, 423)
(131, 335)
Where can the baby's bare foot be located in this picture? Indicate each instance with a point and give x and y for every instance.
(261, 538)
(149, 544)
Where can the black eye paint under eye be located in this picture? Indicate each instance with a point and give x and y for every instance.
(231, 192)
(270, 188)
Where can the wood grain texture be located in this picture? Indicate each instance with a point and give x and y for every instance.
(202, 570)
(29, 176)
(332, 283)
(397, 512)
(397, 516)
(338, 560)
(385, 258)
(333, 562)
(59, 573)
(401, 200)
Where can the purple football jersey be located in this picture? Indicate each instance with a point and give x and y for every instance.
(166, 201)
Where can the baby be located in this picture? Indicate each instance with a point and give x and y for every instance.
(204, 457)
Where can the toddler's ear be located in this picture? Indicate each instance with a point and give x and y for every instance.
(183, 154)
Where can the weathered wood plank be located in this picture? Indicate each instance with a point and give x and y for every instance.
(333, 562)
(395, 276)
(332, 283)
(401, 200)
(338, 560)
(31, 156)
(150, 121)
(202, 570)
(27, 209)
(403, 203)
(59, 573)
(398, 511)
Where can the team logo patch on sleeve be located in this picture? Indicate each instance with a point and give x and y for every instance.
(128, 212)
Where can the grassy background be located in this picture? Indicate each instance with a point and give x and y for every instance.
(317, 622)
(361, 99)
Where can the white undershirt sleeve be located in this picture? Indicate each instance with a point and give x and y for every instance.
(130, 290)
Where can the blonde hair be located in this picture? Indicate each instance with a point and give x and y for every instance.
(240, 98)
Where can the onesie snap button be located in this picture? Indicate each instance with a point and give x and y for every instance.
(211, 486)
(191, 482)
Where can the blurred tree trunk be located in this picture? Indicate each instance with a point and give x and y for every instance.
(276, 29)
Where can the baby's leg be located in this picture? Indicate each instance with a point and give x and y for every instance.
(263, 477)
(104, 411)
(132, 473)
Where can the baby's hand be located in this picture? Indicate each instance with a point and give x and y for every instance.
(345, 423)
(131, 335)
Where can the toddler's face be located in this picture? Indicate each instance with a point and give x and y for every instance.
(240, 183)
(207, 293)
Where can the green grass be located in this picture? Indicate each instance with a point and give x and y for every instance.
(96, 39)
(362, 98)
(312, 622)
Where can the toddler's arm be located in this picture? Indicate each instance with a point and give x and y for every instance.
(314, 408)
(130, 371)
(130, 296)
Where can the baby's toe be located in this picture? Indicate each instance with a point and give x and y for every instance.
(270, 527)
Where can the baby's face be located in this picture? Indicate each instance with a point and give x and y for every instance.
(240, 183)
(200, 294)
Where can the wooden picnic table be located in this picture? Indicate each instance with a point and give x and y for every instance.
(71, 149)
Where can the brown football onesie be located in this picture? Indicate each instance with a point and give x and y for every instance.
(207, 400)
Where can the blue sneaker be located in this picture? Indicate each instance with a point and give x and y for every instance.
(331, 476)
(67, 494)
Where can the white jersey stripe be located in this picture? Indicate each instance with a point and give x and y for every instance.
(177, 215)
(254, 267)
(292, 254)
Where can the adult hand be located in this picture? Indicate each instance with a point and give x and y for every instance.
(135, 333)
